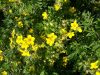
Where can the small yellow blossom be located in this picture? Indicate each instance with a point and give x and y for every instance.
(70, 34)
(24, 44)
(20, 24)
(65, 61)
(49, 41)
(51, 38)
(25, 53)
(19, 39)
(74, 25)
(94, 65)
(4, 73)
(52, 35)
(30, 30)
(97, 73)
(30, 40)
(44, 15)
(10, 11)
(57, 6)
(1, 57)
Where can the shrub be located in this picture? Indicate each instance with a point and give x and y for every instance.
(49, 37)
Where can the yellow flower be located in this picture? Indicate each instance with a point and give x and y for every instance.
(24, 44)
(44, 15)
(10, 11)
(30, 40)
(74, 25)
(13, 33)
(94, 65)
(20, 24)
(51, 38)
(65, 59)
(52, 35)
(4, 73)
(30, 30)
(70, 34)
(1, 57)
(97, 73)
(19, 39)
(25, 53)
(57, 6)
(49, 41)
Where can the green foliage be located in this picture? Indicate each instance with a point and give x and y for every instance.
(49, 37)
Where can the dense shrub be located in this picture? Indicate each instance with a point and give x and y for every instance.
(49, 37)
